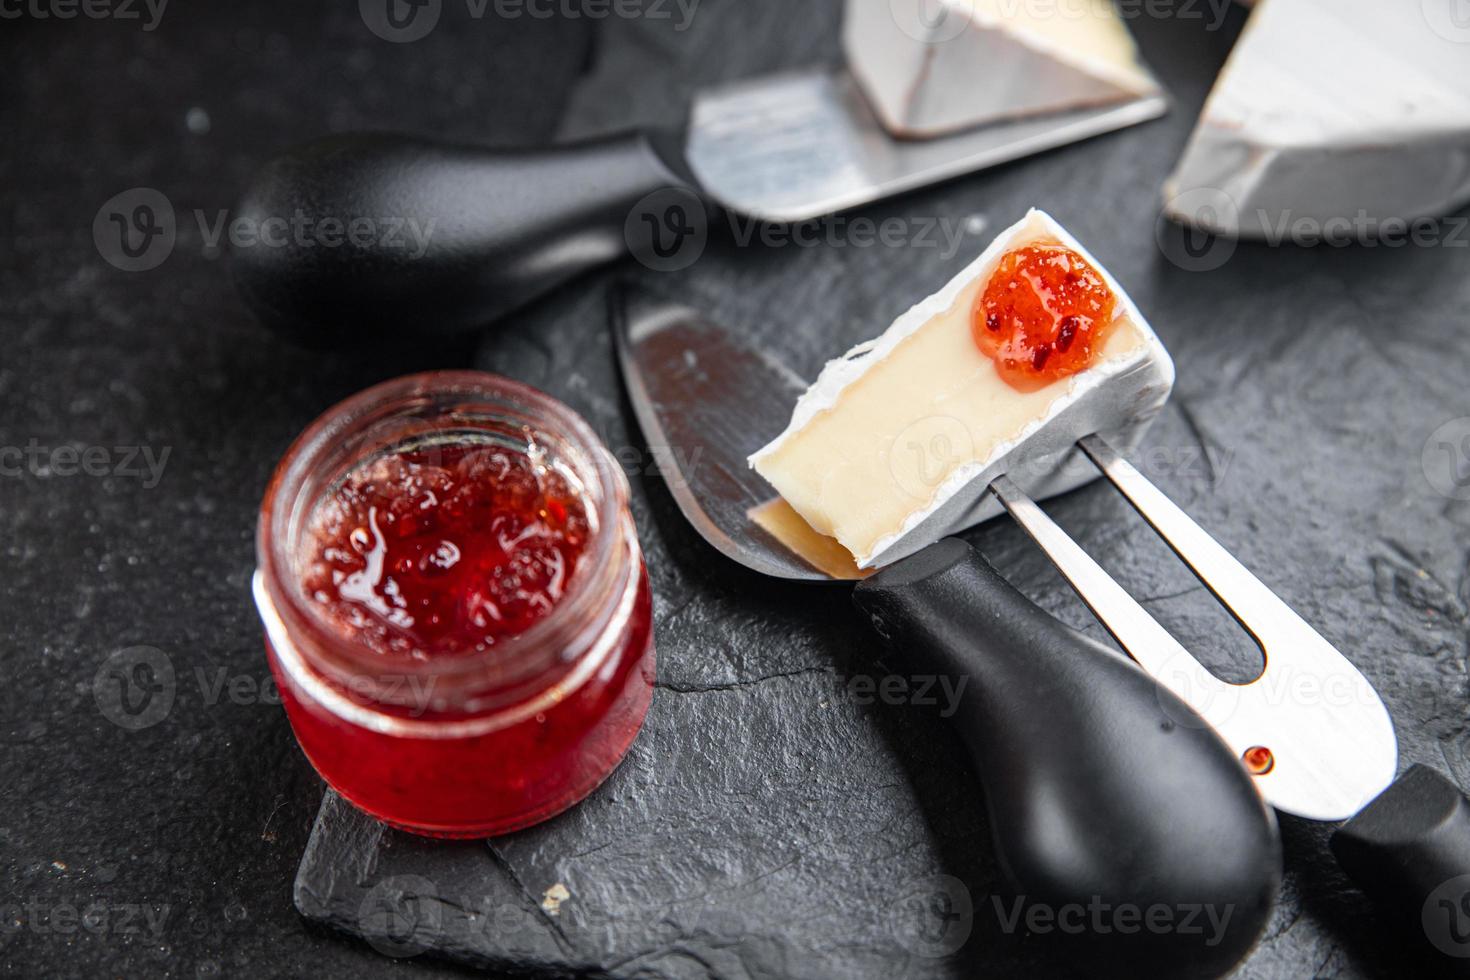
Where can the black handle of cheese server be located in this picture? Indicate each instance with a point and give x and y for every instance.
(1409, 850)
(367, 237)
(1103, 788)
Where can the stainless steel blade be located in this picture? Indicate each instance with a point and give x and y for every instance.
(798, 145)
(705, 403)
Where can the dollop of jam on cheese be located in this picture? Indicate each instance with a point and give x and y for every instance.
(1045, 315)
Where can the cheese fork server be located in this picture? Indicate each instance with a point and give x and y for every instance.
(1313, 733)
(1099, 782)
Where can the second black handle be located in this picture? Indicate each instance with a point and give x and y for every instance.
(364, 237)
(1102, 787)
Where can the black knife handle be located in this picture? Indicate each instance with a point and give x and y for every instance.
(1099, 782)
(1409, 850)
(369, 237)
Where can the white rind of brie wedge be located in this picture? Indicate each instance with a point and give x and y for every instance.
(930, 68)
(1332, 111)
(895, 444)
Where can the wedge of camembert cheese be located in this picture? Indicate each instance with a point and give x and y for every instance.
(895, 444)
(934, 68)
(1332, 115)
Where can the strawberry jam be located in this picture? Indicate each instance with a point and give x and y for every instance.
(455, 603)
(1044, 316)
(444, 551)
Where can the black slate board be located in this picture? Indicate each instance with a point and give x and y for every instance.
(767, 823)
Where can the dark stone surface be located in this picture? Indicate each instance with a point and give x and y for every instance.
(766, 822)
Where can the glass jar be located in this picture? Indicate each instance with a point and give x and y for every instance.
(487, 740)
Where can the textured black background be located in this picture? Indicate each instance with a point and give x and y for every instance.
(766, 823)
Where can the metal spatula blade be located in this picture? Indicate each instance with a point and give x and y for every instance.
(798, 145)
(705, 403)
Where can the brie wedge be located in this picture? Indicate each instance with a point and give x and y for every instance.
(1334, 111)
(895, 444)
(937, 67)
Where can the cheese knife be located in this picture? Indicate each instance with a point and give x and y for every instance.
(1064, 733)
(493, 229)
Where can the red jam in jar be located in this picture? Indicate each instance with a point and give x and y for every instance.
(1045, 315)
(455, 604)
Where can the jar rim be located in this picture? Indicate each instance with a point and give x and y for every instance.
(552, 641)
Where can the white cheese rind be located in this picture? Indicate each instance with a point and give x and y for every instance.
(1331, 111)
(1117, 398)
(965, 64)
